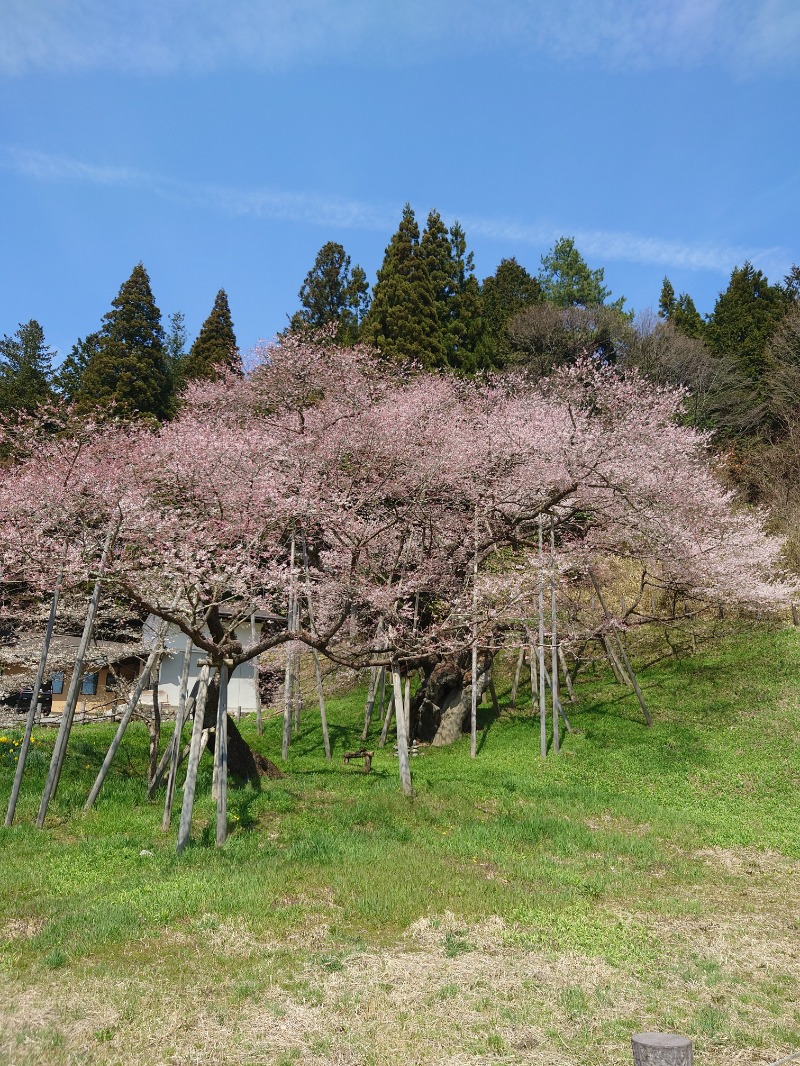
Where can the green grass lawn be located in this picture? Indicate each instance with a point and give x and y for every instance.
(514, 910)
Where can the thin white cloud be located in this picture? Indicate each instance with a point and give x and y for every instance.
(156, 36)
(342, 213)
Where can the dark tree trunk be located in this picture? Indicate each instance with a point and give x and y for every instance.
(243, 762)
(440, 711)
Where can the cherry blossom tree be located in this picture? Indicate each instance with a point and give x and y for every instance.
(413, 499)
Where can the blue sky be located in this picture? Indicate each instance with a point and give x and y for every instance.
(222, 144)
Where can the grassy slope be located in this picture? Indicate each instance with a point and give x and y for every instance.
(514, 911)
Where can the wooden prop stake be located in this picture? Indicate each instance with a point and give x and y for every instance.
(542, 693)
(634, 683)
(534, 679)
(473, 714)
(566, 673)
(493, 694)
(195, 751)
(558, 705)
(287, 680)
(37, 684)
(407, 706)
(517, 674)
(180, 718)
(554, 636)
(221, 755)
(68, 714)
(259, 717)
(323, 716)
(402, 736)
(124, 721)
(387, 721)
(297, 694)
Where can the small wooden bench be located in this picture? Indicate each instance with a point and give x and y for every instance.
(362, 753)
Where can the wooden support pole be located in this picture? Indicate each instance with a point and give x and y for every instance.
(372, 692)
(297, 693)
(288, 676)
(517, 674)
(323, 716)
(542, 694)
(493, 694)
(557, 702)
(628, 669)
(635, 683)
(554, 636)
(534, 679)
(473, 719)
(387, 721)
(180, 718)
(565, 671)
(37, 684)
(124, 721)
(257, 690)
(402, 736)
(68, 714)
(195, 751)
(221, 755)
(661, 1049)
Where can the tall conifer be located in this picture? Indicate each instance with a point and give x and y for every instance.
(403, 319)
(332, 292)
(215, 349)
(25, 369)
(505, 293)
(744, 317)
(129, 368)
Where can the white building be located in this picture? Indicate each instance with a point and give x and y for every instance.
(241, 686)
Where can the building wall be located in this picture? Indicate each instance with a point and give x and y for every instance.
(241, 687)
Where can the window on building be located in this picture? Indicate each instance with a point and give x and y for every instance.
(111, 681)
(58, 683)
(89, 685)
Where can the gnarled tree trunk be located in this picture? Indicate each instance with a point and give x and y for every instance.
(441, 708)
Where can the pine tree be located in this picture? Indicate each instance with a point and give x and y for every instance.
(215, 349)
(744, 317)
(505, 293)
(69, 375)
(333, 292)
(680, 311)
(666, 301)
(567, 281)
(403, 319)
(25, 369)
(465, 323)
(129, 368)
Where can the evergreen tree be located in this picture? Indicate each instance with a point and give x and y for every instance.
(686, 318)
(465, 326)
(403, 319)
(333, 292)
(666, 301)
(69, 375)
(791, 284)
(25, 369)
(449, 267)
(680, 311)
(215, 349)
(744, 317)
(505, 293)
(567, 281)
(129, 367)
